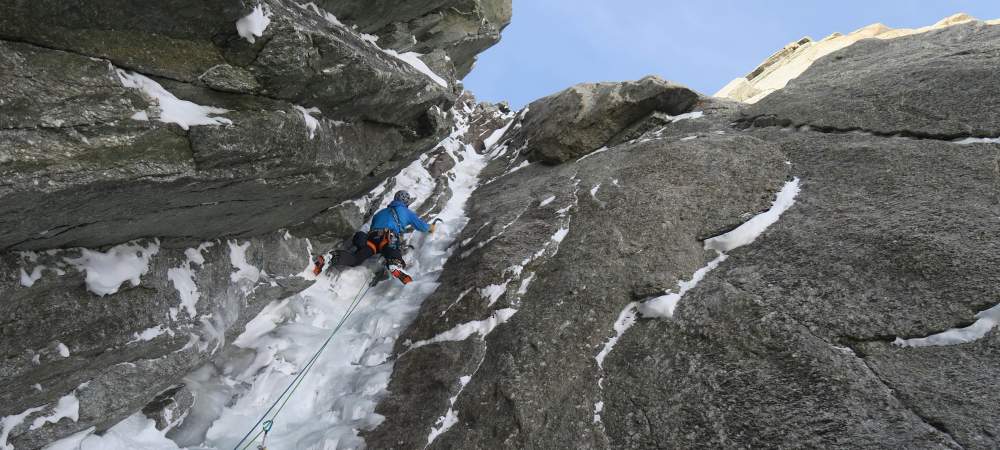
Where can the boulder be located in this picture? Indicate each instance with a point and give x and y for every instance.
(583, 118)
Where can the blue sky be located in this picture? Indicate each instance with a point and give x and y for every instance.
(552, 44)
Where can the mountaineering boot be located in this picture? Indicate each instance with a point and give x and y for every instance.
(318, 262)
(398, 273)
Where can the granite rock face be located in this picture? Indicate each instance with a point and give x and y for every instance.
(808, 336)
(180, 142)
(458, 29)
(938, 84)
(96, 153)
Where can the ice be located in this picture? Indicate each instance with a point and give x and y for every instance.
(252, 25)
(107, 271)
(547, 201)
(311, 123)
(336, 400)
(238, 258)
(134, 433)
(28, 280)
(986, 321)
(63, 350)
(68, 406)
(172, 109)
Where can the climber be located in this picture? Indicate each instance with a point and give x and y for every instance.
(384, 237)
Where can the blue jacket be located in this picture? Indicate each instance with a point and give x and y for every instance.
(383, 219)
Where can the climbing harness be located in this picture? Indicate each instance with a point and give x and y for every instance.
(265, 422)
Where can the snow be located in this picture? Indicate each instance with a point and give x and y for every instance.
(172, 109)
(326, 15)
(8, 423)
(62, 349)
(413, 59)
(593, 191)
(560, 234)
(450, 417)
(753, 228)
(252, 25)
(238, 258)
(184, 280)
(494, 137)
(149, 334)
(986, 321)
(68, 406)
(625, 320)
(664, 305)
(546, 201)
(337, 398)
(689, 138)
(134, 433)
(311, 123)
(687, 116)
(107, 271)
(28, 280)
(595, 152)
(464, 331)
(598, 408)
(520, 166)
(971, 140)
(493, 292)
(523, 289)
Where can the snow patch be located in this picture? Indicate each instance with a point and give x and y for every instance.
(137, 432)
(107, 271)
(172, 109)
(311, 123)
(8, 423)
(68, 406)
(184, 280)
(28, 280)
(595, 152)
(238, 258)
(664, 305)
(986, 321)
(625, 320)
(62, 349)
(450, 417)
(149, 334)
(971, 140)
(252, 25)
(687, 116)
(546, 201)
(464, 331)
(753, 228)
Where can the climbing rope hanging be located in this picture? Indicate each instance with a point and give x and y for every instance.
(265, 423)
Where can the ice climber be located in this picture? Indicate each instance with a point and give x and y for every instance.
(384, 237)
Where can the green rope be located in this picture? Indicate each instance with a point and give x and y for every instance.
(297, 381)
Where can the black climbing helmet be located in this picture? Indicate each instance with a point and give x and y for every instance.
(404, 197)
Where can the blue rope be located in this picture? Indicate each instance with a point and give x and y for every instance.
(297, 381)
